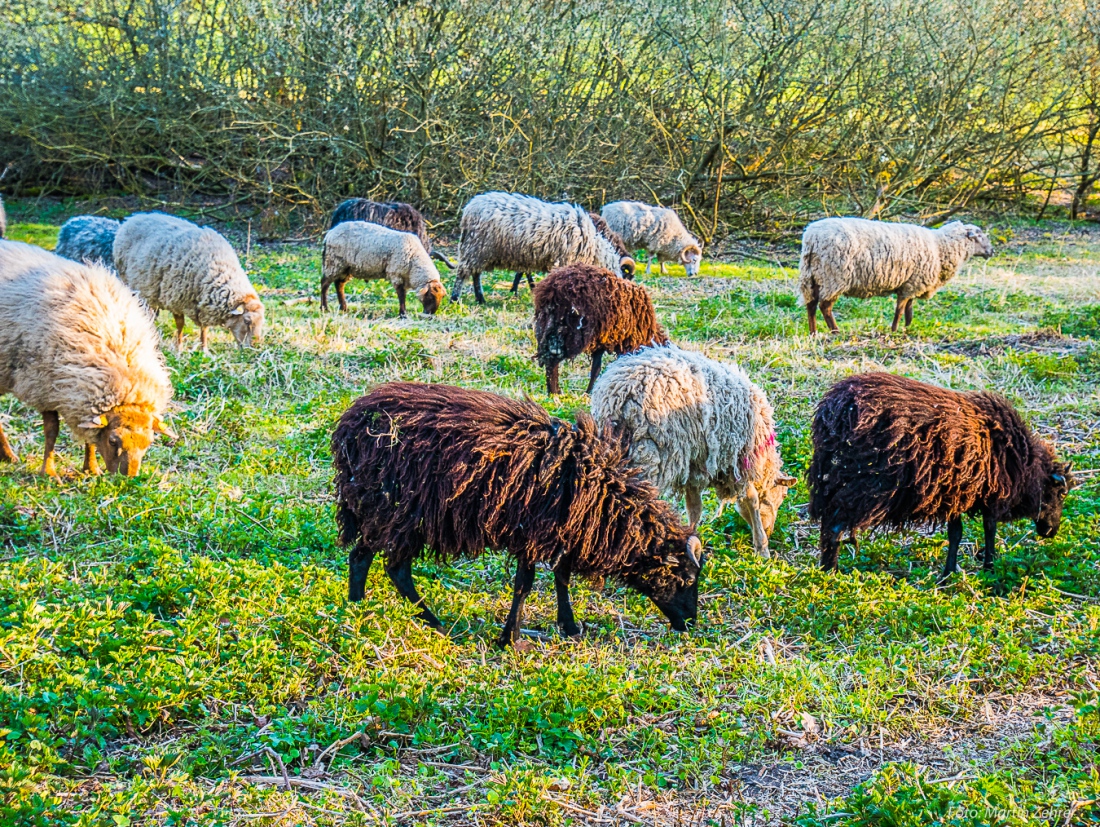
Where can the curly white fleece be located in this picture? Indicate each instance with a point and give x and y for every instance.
(370, 251)
(657, 230)
(861, 258)
(74, 339)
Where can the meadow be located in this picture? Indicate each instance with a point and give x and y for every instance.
(177, 648)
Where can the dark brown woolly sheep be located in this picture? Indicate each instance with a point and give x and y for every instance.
(396, 215)
(603, 229)
(459, 471)
(893, 451)
(587, 309)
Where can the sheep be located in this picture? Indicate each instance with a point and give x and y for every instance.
(370, 251)
(892, 451)
(189, 271)
(78, 345)
(396, 215)
(601, 228)
(587, 309)
(696, 423)
(517, 232)
(657, 230)
(3, 219)
(458, 471)
(860, 258)
(89, 239)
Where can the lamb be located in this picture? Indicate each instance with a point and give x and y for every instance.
(78, 346)
(370, 251)
(601, 228)
(189, 271)
(393, 214)
(458, 471)
(896, 452)
(587, 309)
(861, 258)
(696, 423)
(520, 233)
(89, 239)
(657, 230)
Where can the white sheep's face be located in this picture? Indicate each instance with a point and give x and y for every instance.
(246, 322)
(122, 436)
(980, 245)
(691, 257)
(770, 501)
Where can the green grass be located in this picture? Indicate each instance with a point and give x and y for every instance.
(164, 639)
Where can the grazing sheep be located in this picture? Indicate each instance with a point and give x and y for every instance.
(356, 249)
(657, 230)
(189, 271)
(396, 215)
(77, 345)
(587, 309)
(695, 423)
(458, 471)
(516, 232)
(604, 230)
(893, 451)
(89, 239)
(860, 258)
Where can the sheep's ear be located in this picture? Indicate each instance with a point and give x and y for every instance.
(238, 310)
(160, 428)
(95, 423)
(783, 479)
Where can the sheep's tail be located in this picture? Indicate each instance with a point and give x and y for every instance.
(806, 284)
(438, 256)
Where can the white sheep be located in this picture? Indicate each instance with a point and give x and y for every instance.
(501, 230)
(695, 423)
(89, 239)
(657, 230)
(861, 258)
(78, 345)
(359, 249)
(188, 270)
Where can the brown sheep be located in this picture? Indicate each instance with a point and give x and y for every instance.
(897, 452)
(414, 477)
(587, 309)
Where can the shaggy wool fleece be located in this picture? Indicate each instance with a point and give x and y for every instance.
(657, 230)
(88, 238)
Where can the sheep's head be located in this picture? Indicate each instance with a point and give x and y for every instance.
(770, 501)
(431, 296)
(980, 245)
(691, 257)
(627, 267)
(674, 586)
(1055, 488)
(122, 436)
(246, 321)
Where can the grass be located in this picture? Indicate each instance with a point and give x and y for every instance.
(170, 644)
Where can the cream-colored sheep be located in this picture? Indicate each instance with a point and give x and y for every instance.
(359, 249)
(657, 230)
(860, 258)
(695, 423)
(188, 270)
(502, 230)
(78, 345)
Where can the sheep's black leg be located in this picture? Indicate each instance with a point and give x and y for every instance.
(897, 314)
(516, 281)
(989, 528)
(530, 281)
(400, 573)
(830, 546)
(553, 386)
(324, 293)
(477, 289)
(566, 621)
(909, 313)
(827, 312)
(811, 315)
(597, 361)
(341, 297)
(359, 560)
(525, 579)
(401, 300)
(954, 537)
